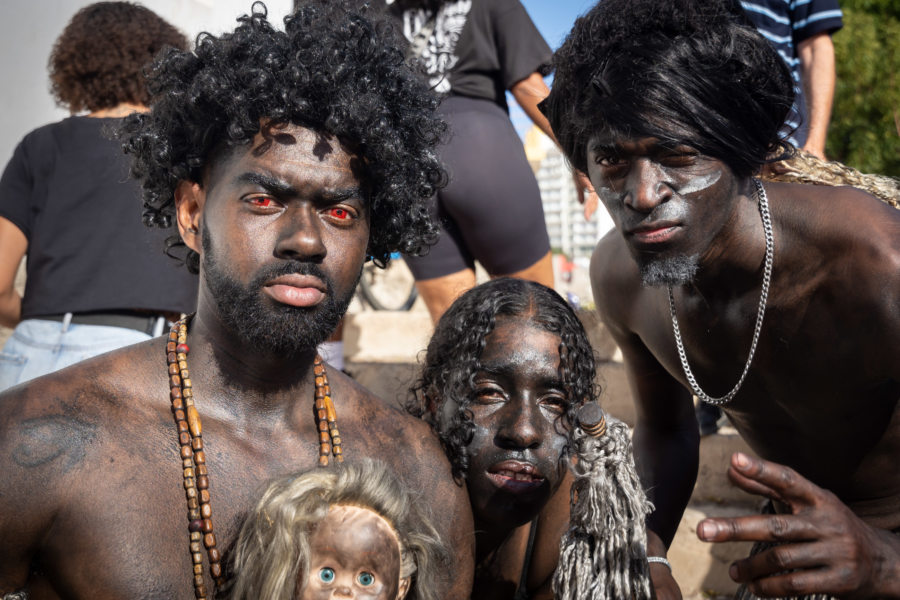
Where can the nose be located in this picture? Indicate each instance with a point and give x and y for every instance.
(300, 234)
(518, 428)
(646, 186)
(342, 591)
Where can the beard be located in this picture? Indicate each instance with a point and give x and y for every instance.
(672, 270)
(280, 329)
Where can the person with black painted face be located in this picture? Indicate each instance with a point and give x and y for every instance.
(778, 302)
(284, 158)
(506, 371)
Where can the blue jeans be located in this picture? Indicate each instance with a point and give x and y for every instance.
(38, 347)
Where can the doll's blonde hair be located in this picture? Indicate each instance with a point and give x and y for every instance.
(272, 552)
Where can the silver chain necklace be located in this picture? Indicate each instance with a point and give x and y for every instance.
(763, 202)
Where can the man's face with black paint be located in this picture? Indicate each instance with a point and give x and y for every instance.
(669, 202)
(284, 228)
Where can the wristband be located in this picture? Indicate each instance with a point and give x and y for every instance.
(661, 560)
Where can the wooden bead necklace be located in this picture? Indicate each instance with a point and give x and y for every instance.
(329, 437)
(193, 458)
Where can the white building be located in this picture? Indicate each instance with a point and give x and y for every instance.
(569, 232)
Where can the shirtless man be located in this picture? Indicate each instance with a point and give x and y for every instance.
(283, 170)
(671, 108)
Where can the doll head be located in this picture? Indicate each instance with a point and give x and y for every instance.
(354, 532)
(354, 553)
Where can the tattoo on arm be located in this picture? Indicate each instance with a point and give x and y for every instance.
(57, 437)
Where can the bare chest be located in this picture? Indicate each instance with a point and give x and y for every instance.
(818, 395)
(123, 533)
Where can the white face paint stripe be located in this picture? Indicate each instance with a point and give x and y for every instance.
(701, 182)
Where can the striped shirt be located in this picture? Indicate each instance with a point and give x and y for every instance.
(786, 23)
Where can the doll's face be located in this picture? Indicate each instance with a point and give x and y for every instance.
(355, 554)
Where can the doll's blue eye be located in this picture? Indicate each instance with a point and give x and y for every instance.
(326, 574)
(365, 578)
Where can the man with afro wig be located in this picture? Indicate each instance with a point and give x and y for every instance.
(285, 159)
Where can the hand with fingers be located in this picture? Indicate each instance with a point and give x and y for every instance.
(821, 546)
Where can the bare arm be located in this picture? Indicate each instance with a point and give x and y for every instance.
(454, 516)
(13, 245)
(817, 70)
(42, 446)
(666, 439)
(448, 503)
(528, 94)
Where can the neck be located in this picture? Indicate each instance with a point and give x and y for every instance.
(122, 109)
(490, 539)
(239, 366)
(733, 264)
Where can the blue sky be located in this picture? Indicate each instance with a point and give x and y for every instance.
(554, 19)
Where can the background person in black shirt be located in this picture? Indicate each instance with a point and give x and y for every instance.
(473, 51)
(97, 279)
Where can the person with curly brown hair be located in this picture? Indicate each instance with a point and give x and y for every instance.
(96, 279)
(285, 158)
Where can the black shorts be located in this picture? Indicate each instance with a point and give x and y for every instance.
(491, 210)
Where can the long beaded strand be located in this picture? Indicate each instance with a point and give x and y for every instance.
(329, 437)
(190, 437)
(193, 459)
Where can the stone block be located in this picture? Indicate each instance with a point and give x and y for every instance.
(715, 456)
(604, 345)
(386, 336)
(389, 381)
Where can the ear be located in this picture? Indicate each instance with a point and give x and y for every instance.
(189, 200)
(403, 588)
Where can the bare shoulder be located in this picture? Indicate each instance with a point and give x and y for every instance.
(848, 242)
(58, 437)
(389, 429)
(853, 230)
(834, 214)
(615, 281)
(52, 423)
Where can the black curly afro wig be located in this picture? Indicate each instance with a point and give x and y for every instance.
(337, 70)
(454, 354)
(692, 72)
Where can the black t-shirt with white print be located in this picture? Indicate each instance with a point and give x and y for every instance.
(475, 48)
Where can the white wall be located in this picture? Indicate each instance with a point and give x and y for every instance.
(28, 29)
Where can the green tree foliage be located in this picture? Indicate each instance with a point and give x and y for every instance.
(865, 122)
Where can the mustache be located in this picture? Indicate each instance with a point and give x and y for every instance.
(667, 211)
(291, 268)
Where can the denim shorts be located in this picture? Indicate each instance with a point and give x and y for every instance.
(38, 347)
